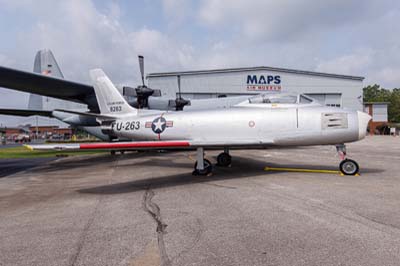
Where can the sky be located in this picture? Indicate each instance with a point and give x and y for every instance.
(336, 36)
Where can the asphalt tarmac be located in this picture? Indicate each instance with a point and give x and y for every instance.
(147, 209)
(9, 167)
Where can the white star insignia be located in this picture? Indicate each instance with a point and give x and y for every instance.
(159, 124)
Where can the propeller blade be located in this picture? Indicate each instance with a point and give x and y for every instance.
(179, 86)
(179, 101)
(141, 66)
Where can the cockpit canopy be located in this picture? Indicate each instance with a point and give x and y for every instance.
(280, 98)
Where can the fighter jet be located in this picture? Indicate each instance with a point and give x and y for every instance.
(263, 121)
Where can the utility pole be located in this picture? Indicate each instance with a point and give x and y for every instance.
(36, 128)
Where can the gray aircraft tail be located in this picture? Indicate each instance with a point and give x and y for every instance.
(45, 64)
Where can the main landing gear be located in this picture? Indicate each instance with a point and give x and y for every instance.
(346, 166)
(204, 166)
(224, 159)
(113, 152)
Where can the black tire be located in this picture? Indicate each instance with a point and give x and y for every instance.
(112, 152)
(224, 159)
(207, 168)
(349, 167)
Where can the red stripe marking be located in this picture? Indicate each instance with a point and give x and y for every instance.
(127, 145)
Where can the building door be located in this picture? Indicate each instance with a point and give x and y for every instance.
(334, 99)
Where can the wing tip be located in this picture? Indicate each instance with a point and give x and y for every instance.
(29, 147)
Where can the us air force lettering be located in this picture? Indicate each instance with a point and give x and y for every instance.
(262, 121)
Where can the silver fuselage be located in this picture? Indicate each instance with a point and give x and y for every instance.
(248, 124)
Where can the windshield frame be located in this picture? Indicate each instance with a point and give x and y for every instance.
(284, 98)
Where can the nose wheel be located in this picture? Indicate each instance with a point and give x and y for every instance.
(205, 171)
(346, 166)
(202, 166)
(349, 167)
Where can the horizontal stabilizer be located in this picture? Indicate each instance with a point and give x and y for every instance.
(99, 116)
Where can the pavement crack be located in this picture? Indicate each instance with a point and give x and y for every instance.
(84, 234)
(154, 210)
(90, 221)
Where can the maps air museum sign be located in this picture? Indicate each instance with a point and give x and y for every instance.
(263, 83)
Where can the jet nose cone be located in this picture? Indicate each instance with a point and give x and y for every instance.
(363, 120)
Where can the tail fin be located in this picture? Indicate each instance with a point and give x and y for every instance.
(44, 64)
(110, 101)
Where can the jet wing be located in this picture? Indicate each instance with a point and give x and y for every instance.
(112, 145)
(25, 112)
(48, 86)
(148, 145)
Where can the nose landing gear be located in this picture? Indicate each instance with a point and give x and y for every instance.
(349, 167)
(346, 166)
(205, 171)
(224, 159)
(202, 166)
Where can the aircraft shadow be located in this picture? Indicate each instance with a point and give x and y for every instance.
(242, 168)
(90, 160)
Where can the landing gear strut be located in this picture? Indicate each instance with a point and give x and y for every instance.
(202, 166)
(224, 159)
(346, 166)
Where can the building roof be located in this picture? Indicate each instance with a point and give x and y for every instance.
(263, 68)
(376, 102)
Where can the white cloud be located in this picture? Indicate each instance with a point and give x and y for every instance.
(344, 37)
(385, 76)
(176, 11)
(5, 60)
(285, 20)
(348, 37)
(83, 37)
(347, 64)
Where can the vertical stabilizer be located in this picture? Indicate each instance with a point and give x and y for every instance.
(44, 64)
(108, 97)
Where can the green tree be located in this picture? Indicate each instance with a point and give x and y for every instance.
(374, 93)
(394, 106)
